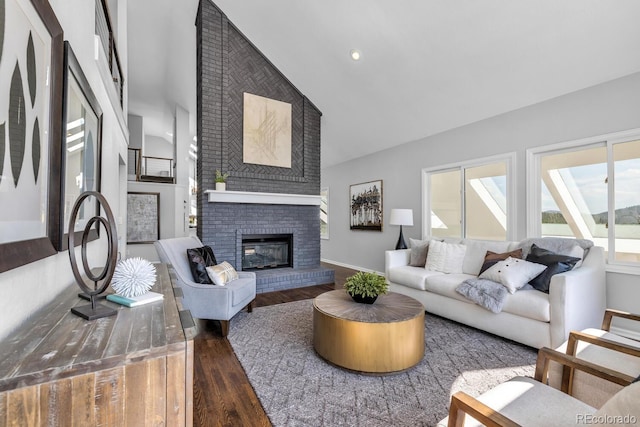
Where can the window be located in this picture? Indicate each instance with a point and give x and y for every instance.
(589, 189)
(469, 200)
(324, 213)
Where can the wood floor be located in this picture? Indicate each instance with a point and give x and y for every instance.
(222, 393)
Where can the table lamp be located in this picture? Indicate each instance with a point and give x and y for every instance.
(401, 217)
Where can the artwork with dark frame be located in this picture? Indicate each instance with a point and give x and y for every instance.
(143, 217)
(365, 201)
(30, 129)
(81, 149)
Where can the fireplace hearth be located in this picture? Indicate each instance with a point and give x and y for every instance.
(267, 251)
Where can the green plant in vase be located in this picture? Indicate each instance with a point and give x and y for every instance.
(221, 180)
(365, 287)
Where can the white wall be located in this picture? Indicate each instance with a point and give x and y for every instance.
(155, 146)
(606, 108)
(25, 289)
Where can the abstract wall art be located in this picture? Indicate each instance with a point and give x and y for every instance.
(266, 125)
(143, 217)
(31, 52)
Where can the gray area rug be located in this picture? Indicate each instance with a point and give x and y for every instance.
(298, 388)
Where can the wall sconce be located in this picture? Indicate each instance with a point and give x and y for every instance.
(401, 217)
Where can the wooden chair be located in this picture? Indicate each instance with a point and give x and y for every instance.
(523, 401)
(601, 347)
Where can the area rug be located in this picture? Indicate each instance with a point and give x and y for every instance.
(298, 388)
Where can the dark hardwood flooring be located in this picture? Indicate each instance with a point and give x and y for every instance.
(222, 393)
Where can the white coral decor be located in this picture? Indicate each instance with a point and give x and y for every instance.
(133, 277)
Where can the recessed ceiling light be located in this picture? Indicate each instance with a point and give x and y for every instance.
(355, 54)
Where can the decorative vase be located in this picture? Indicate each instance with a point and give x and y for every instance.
(364, 300)
(221, 186)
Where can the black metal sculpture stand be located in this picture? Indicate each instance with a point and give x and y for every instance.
(94, 310)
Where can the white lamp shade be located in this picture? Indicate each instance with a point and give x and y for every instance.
(401, 217)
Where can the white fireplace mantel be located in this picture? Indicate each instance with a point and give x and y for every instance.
(262, 198)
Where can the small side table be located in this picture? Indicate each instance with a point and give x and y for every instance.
(384, 337)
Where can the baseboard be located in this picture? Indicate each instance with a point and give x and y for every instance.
(634, 335)
(352, 267)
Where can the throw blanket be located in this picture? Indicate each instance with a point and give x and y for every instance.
(485, 293)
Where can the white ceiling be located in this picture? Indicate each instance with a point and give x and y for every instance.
(427, 65)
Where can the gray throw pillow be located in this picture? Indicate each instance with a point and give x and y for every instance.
(419, 251)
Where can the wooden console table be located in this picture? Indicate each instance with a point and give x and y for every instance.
(133, 369)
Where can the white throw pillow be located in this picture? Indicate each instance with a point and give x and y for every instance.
(222, 273)
(513, 273)
(445, 257)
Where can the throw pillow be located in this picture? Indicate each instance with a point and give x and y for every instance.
(199, 260)
(485, 293)
(513, 273)
(576, 252)
(491, 258)
(445, 257)
(419, 249)
(555, 263)
(222, 273)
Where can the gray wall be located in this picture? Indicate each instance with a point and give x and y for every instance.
(606, 108)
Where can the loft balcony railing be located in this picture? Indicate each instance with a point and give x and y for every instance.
(149, 168)
(104, 30)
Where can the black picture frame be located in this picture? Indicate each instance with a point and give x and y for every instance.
(365, 203)
(81, 150)
(143, 217)
(46, 31)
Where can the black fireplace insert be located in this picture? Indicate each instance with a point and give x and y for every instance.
(262, 251)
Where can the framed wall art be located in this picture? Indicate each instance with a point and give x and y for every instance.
(81, 149)
(366, 206)
(31, 63)
(143, 217)
(266, 130)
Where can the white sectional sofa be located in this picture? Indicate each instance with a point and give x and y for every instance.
(576, 298)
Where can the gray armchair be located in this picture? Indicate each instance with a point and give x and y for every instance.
(207, 301)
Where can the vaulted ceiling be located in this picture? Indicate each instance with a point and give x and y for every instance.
(427, 66)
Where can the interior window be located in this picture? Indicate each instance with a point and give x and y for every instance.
(446, 204)
(626, 165)
(477, 209)
(575, 189)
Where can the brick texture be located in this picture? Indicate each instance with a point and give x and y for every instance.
(228, 65)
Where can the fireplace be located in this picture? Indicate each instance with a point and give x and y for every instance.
(266, 251)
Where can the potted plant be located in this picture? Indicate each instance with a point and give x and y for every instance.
(221, 180)
(365, 287)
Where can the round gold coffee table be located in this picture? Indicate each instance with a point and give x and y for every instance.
(383, 337)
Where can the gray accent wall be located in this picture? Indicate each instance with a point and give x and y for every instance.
(606, 108)
(229, 65)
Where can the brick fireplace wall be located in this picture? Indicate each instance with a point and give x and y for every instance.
(228, 65)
